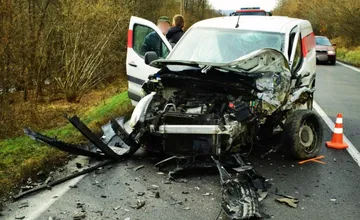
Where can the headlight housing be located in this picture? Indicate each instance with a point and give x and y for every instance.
(331, 52)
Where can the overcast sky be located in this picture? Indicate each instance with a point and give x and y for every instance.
(237, 4)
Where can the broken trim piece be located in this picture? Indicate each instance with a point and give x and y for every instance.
(80, 126)
(70, 148)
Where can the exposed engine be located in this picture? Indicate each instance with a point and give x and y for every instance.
(205, 123)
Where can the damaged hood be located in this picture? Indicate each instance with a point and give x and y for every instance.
(259, 61)
(269, 67)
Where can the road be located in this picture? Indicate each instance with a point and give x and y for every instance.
(329, 191)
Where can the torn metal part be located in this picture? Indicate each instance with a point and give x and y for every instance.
(56, 182)
(299, 96)
(262, 194)
(258, 180)
(292, 202)
(139, 167)
(78, 124)
(239, 199)
(70, 148)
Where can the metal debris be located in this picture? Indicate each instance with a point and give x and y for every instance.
(239, 199)
(187, 208)
(56, 182)
(19, 217)
(333, 200)
(206, 194)
(139, 167)
(79, 215)
(140, 193)
(140, 204)
(292, 202)
(23, 205)
(262, 194)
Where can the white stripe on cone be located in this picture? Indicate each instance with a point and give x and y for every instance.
(339, 121)
(338, 130)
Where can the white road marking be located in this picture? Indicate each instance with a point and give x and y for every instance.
(39, 203)
(351, 149)
(348, 66)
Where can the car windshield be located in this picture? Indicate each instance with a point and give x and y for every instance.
(223, 45)
(323, 41)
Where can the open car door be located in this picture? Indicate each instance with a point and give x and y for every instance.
(142, 32)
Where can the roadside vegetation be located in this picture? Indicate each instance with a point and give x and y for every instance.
(61, 57)
(339, 20)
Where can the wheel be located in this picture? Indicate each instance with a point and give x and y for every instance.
(333, 62)
(303, 134)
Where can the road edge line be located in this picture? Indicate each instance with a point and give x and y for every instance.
(348, 66)
(354, 153)
(59, 192)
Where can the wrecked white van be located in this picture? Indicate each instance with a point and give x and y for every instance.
(229, 82)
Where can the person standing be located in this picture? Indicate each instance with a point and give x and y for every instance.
(152, 41)
(177, 30)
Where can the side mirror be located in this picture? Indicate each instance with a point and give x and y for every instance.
(150, 56)
(334, 45)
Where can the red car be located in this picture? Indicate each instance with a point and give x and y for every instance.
(325, 51)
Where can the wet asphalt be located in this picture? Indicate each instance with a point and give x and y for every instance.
(325, 191)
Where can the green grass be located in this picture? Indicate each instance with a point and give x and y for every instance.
(351, 56)
(21, 158)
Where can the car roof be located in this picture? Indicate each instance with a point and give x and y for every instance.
(281, 24)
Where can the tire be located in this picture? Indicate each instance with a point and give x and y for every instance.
(333, 62)
(303, 134)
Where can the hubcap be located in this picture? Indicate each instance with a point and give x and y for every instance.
(306, 135)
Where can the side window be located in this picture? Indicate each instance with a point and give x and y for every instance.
(297, 57)
(291, 43)
(146, 39)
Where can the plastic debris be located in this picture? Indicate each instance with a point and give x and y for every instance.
(292, 202)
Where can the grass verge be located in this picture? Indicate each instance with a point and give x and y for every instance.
(22, 158)
(350, 56)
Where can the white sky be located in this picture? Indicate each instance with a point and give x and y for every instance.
(237, 4)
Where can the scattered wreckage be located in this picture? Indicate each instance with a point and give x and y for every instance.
(196, 112)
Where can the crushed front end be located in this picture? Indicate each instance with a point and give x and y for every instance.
(210, 109)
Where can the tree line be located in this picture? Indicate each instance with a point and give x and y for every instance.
(61, 49)
(332, 18)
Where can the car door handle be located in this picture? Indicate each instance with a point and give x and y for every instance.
(132, 63)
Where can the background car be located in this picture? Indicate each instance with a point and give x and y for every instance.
(325, 51)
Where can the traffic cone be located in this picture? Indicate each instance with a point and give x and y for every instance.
(337, 138)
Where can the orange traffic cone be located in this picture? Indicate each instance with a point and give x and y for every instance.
(337, 138)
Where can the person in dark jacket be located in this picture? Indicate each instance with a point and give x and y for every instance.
(152, 41)
(177, 29)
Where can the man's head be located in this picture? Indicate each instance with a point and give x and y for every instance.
(163, 24)
(178, 21)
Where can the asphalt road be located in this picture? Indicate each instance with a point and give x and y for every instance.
(329, 191)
